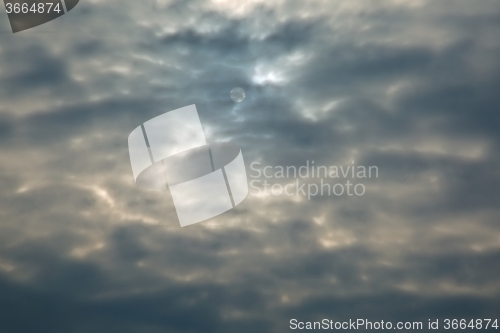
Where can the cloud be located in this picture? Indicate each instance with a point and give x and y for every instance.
(408, 86)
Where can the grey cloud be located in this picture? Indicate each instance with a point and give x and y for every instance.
(412, 90)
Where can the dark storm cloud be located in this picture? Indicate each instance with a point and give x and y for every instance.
(409, 86)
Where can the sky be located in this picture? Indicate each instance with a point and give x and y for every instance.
(409, 86)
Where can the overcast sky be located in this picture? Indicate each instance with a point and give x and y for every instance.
(411, 86)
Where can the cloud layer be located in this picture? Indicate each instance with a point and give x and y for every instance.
(410, 86)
